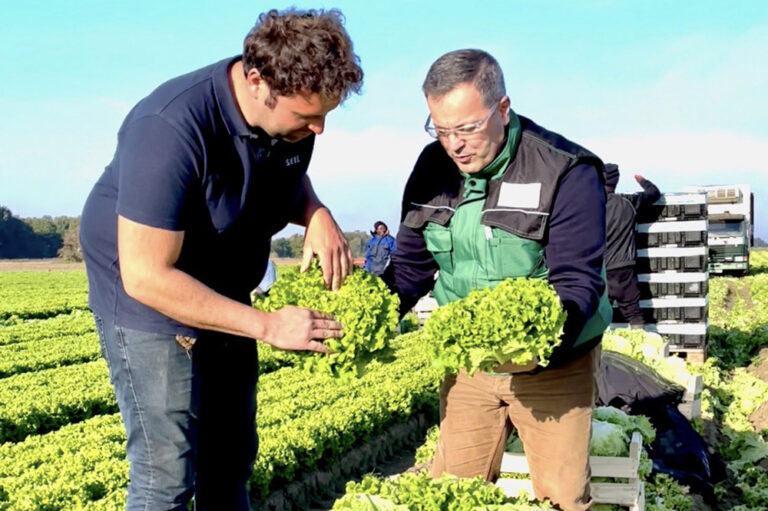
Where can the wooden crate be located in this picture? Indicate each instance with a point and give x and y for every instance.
(424, 308)
(690, 407)
(695, 356)
(630, 494)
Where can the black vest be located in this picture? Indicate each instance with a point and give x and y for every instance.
(543, 157)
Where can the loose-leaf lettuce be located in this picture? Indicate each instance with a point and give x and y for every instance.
(417, 492)
(363, 305)
(518, 321)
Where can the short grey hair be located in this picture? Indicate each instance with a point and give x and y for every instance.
(466, 66)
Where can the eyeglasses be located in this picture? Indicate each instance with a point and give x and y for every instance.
(464, 131)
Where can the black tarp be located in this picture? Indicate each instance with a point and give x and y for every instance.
(678, 450)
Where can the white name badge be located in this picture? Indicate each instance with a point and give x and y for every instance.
(520, 195)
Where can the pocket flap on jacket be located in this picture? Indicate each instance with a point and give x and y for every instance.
(438, 239)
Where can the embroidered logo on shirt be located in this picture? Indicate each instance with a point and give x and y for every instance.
(293, 160)
(520, 195)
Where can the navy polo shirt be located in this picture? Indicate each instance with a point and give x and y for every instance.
(187, 161)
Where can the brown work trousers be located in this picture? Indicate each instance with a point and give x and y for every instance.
(552, 412)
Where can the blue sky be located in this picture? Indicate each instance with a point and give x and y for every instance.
(677, 91)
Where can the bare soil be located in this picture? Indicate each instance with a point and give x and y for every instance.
(759, 367)
(730, 297)
(286, 261)
(746, 295)
(53, 264)
(759, 418)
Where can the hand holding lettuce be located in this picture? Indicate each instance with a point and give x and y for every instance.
(519, 321)
(363, 305)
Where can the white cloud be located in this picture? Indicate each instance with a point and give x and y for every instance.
(673, 161)
(693, 155)
(375, 155)
(361, 175)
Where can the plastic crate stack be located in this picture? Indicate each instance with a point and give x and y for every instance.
(672, 271)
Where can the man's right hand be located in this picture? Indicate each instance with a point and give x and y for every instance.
(295, 329)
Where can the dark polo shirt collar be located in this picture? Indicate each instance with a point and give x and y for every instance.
(230, 112)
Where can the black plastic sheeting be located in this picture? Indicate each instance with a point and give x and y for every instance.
(678, 450)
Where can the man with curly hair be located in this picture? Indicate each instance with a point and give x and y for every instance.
(176, 233)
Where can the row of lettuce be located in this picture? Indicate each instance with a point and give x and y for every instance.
(82, 465)
(74, 385)
(732, 397)
(304, 422)
(735, 395)
(59, 427)
(38, 295)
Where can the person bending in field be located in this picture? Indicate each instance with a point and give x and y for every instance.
(176, 234)
(498, 196)
(621, 211)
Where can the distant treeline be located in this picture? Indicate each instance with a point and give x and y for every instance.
(34, 238)
(292, 245)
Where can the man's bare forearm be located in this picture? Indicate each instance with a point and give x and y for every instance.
(190, 302)
(148, 270)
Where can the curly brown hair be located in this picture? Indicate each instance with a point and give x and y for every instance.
(297, 51)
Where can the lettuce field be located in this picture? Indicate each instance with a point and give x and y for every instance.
(62, 443)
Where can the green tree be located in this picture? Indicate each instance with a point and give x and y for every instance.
(36, 237)
(17, 239)
(293, 246)
(50, 238)
(70, 248)
(281, 248)
(296, 243)
(357, 242)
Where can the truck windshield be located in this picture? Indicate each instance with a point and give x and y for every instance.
(726, 227)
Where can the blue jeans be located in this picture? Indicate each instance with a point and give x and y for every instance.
(189, 418)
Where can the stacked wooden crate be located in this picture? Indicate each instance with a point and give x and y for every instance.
(672, 272)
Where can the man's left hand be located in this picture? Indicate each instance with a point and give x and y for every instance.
(324, 237)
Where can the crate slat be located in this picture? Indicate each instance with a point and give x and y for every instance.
(602, 466)
(691, 409)
(615, 493)
(630, 495)
(625, 494)
(693, 388)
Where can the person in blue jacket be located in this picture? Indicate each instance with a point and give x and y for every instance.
(379, 249)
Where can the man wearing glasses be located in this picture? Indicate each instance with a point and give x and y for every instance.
(495, 197)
